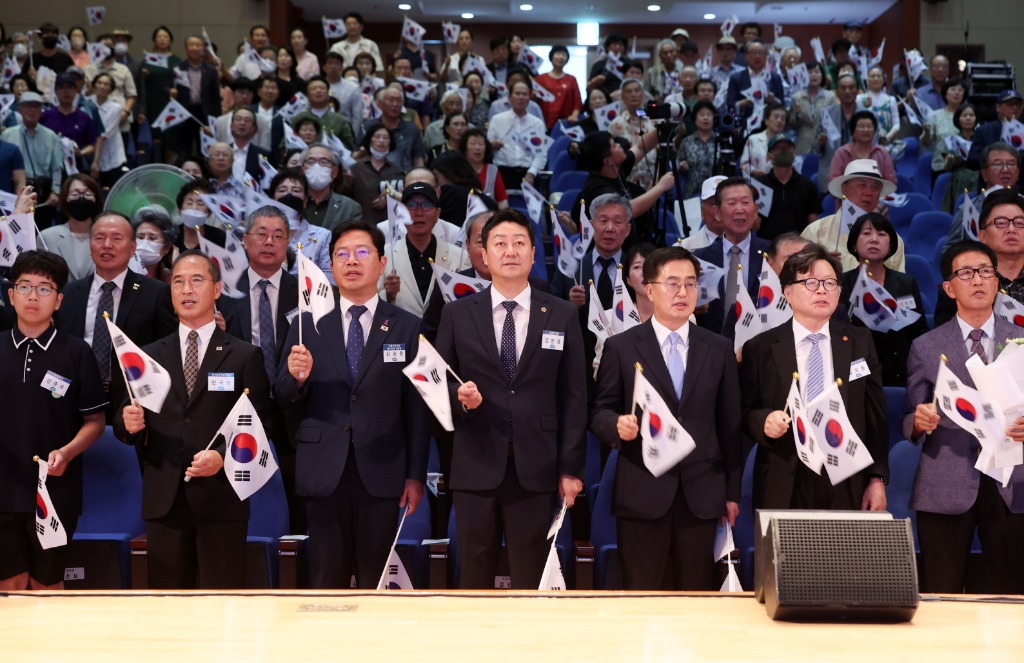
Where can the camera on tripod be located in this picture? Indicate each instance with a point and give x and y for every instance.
(729, 137)
(665, 111)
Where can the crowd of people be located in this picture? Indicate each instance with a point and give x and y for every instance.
(334, 140)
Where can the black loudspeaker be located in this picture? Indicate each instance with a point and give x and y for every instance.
(840, 569)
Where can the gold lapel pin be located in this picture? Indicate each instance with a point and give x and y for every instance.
(543, 309)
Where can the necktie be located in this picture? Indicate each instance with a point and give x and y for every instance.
(355, 342)
(100, 333)
(191, 361)
(675, 363)
(815, 368)
(976, 347)
(267, 341)
(604, 282)
(508, 341)
(731, 282)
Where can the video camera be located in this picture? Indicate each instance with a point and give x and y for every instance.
(665, 111)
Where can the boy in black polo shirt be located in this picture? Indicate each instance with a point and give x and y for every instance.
(54, 404)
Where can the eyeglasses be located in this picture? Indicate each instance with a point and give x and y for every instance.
(426, 206)
(361, 254)
(1003, 165)
(262, 237)
(673, 287)
(1003, 222)
(326, 163)
(967, 273)
(82, 195)
(814, 284)
(24, 289)
(196, 282)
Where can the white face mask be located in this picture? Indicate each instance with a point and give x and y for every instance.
(120, 48)
(380, 154)
(193, 218)
(77, 43)
(20, 50)
(319, 177)
(149, 252)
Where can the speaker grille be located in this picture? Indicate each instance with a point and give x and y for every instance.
(845, 562)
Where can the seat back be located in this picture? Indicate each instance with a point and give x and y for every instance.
(810, 165)
(922, 174)
(927, 280)
(894, 412)
(111, 488)
(569, 179)
(924, 228)
(602, 523)
(559, 146)
(916, 202)
(939, 190)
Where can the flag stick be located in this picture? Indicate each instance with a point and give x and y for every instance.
(298, 247)
(449, 368)
(796, 376)
(401, 522)
(935, 399)
(215, 435)
(131, 394)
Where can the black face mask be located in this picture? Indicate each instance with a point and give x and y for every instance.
(81, 209)
(49, 42)
(293, 201)
(784, 159)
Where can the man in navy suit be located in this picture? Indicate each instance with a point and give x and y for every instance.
(666, 525)
(737, 247)
(520, 418)
(196, 529)
(756, 54)
(364, 434)
(950, 496)
(1008, 107)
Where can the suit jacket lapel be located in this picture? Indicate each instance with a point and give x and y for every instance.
(404, 269)
(129, 295)
(653, 362)
(245, 307)
(842, 357)
(287, 301)
(481, 312)
(784, 353)
(172, 363)
(956, 350)
(534, 329)
(695, 360)
(332, 334)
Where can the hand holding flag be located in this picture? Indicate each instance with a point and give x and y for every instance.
(665, 441)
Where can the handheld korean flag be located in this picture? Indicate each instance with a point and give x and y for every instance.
(414, 89)
(267, 172)
(252, 55)
(148, 382)
(453, 285)
(248, 462)
(723, 548)
(757, 92)
(807, 447)
(413, 32)
(710, 279)
(427, 373)
(845, 453)
(172, 115)
(771, 304)
(829, 127)
(915, 64)
(450, 31)
(291, 139)
(876, 55)
(958, 146)
(7, 203)
(748, 319)
(575, 134)
(231, 264)
(155, 59)
(765, 196)
(552, 578)
(298, 103)
(394, 575)
(338, 147)
(334, 28)
(665, 441)
(98, 51)
(850, 212)
(912, 115)
(530, 59)
(624, 313)
(535, 202)
(567, 263)
(729, 25)
(11, 69)
(819, 52)
(17, 234)
(706, 62)
(208, 43)
(398, 216)
(67, 148)
(49, 529)
(228, 209)
(597, 321)
(95, 14)
(315, 295)
(541, 92)
(181, 79)
(877, 309)
(894, 199)
(1013, 133)
(579, 249)
(613, 65)
(534, 142)
(1007, 308)
(206, 141)
(798, 76)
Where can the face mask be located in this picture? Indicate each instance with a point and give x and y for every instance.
(50, 42)
(149, 252)
(292, 201)
(380, 154)
(318, 177)
(192, 218)
(20, 50)
(77, 43)
(120, 48)
(81, 209)
(783, 159)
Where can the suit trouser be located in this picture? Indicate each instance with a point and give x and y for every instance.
(671, 552)
(188, 551)
(946, 544)
(523, 516)
(350, 532)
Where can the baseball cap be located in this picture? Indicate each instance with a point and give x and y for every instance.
(689, 46)
(779, 138)
(65, 78)
(1008, 95)
(419, 189)
(681, 32)
(726, 40)
(30, 98)
(853, 25)
(710, 186)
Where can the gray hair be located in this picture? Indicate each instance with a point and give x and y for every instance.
(665, 42)
(305, 153)
(449, 94)
(268, 212)
(628, 81)
(607, 199)
(799, 51)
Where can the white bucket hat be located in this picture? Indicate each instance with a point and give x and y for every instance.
(860, 168)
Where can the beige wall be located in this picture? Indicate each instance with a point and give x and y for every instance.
(227, 21)
(998, 24)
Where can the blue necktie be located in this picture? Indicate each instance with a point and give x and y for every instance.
(675, 363)
(815, 368)
(267, 342)
(354, 344)
(508, 341)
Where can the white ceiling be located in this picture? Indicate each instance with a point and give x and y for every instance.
(673, 12)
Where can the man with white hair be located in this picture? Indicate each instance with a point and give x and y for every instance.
(451, 103)
(326, 208)
(667, 68)
(863, 185)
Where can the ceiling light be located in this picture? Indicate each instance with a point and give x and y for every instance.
(709, 17)
(526, 8)
(467, 15)
(405, 7)
(654, 8)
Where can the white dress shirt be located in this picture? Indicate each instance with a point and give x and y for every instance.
(803, 351)
(205, 332)
(505, 127)
(94, 302)
(366, 319)
(255, 291)
(987, 338)
(613, 271)
(744, 245)
(520, 316)
(662, 333)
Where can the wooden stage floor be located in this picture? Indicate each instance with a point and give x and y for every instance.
(582, 627)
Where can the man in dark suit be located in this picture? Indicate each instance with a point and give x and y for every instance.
(195, 529)
(201, 96)
(262, 317)
(138, 305)
(810, 281)
(363, 439)
(520, 417)
(246, 152)
(666, 525)
(1008, 107)
(756, 53)
(737, 247)
(950, 496)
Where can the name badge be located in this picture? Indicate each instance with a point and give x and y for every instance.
(552, 340)
(394, 353)
(907, 302)
(57, 385)
(859, 369)
(220, 381)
